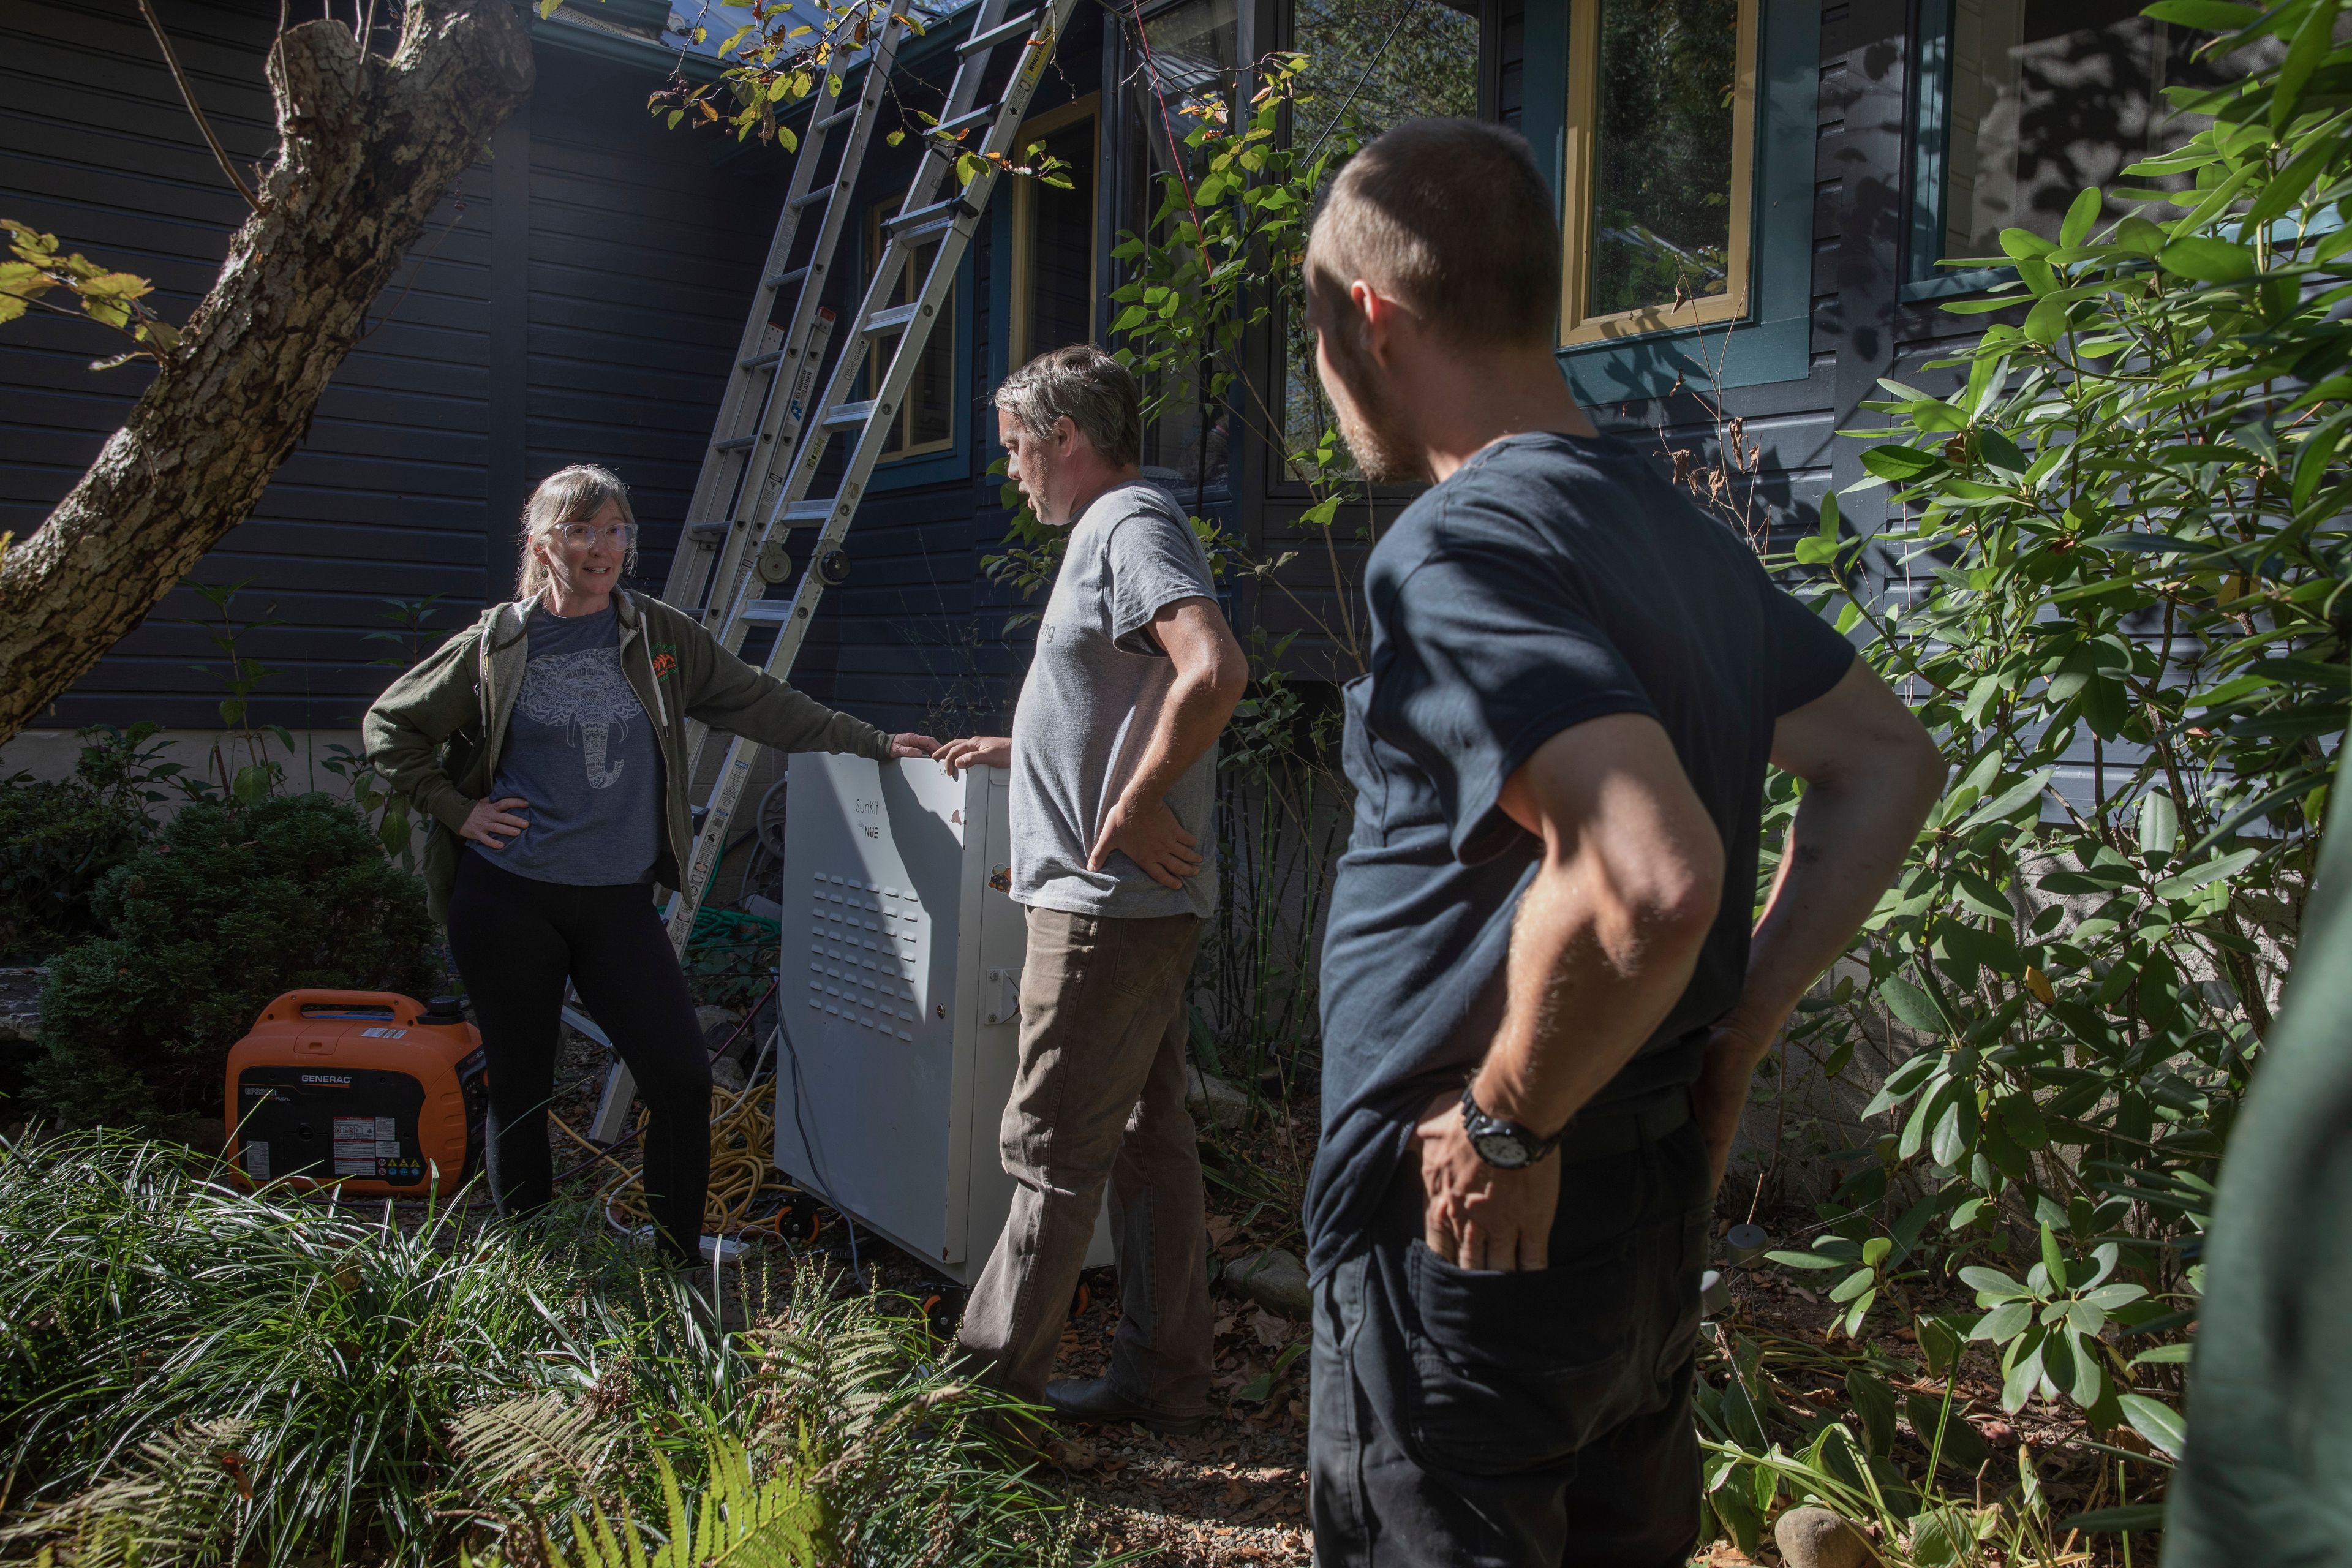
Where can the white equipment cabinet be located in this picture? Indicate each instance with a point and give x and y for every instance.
(900, 996)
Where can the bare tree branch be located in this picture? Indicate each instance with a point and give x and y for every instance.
(188, 95)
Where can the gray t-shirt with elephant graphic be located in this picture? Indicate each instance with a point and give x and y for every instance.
(580, 750)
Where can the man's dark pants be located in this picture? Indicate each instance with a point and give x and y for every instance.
(1473, 1419)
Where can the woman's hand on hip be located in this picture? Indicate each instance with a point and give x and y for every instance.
(975, 752)
(492, 821)
(911, 744)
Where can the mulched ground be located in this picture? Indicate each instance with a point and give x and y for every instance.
(1236, 1493)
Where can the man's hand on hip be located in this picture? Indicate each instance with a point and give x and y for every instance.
(1151, 837)
(975, 752)
(1475, 1215)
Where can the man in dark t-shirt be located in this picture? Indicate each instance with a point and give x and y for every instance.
(1542, 1000)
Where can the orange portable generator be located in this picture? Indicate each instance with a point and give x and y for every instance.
(363, 1089)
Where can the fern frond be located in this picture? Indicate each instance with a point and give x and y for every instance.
(507, 1445)
(733, 1522)
(169, 1503)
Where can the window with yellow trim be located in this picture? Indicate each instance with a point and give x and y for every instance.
(1054, 276)
(1660, 157)
(925, 419)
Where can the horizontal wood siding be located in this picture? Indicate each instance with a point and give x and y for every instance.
(382, 498)
(645, 248)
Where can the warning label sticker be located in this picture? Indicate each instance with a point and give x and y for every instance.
(384, 1033)
(355, 1144)
(257, 1161)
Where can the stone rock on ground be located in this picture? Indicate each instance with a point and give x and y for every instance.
(1212, 1100)
(1274, 1280)
(1817, 1538)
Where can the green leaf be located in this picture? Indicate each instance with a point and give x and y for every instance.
(2077, 225)
(2003, 1323)
(2166, 1356)
(1875, 1403)
(1992, 1284)
(2212, 871)
(2047, 320)
(2007, 803)
(2309, 48)
(2113, 1521)
(2023, 1377)
(2160, 824)
(1900, 464)
(1808, 1260)
(2208, 260)
(2159, 1424)
(2213, 15)
(1913, 1006)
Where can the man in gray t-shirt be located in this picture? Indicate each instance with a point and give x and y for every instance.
(1113, 755)
(1091, 707)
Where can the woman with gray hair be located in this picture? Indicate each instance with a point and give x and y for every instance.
(547, 745)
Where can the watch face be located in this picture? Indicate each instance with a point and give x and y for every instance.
(1500, 1150)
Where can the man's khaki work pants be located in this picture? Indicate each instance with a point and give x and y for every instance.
(1100, 1098)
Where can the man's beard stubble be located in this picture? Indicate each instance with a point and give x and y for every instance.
(1382, 448)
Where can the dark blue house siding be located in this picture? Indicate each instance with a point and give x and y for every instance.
(576, 300)
(383, 499)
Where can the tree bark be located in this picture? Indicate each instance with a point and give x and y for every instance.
(367, 146)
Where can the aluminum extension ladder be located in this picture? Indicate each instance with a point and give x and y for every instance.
(741, 554)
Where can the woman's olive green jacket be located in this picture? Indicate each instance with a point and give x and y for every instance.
(437, 734)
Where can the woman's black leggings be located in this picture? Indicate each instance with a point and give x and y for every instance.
(515, 941)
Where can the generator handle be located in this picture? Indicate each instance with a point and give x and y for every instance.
(294, 1003)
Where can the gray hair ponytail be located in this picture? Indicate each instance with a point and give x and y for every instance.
(568, 495)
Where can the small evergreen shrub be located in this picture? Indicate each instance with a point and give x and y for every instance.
(60, 838)
(231, 905)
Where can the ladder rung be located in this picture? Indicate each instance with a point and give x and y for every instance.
(783, 279)
(966, 121)
(849, 415)
(823, 193)
(766, 612)
(841, 116)
(760, 361)
(1014, 28)
(802, 511)
(893, 320)
(948, 210)
(733, 444)
(709, 532)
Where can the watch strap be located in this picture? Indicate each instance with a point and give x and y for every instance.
(1478, 1122)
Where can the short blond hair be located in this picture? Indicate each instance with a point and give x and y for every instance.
(568, 495)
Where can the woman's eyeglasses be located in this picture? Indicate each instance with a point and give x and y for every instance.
(580, 535)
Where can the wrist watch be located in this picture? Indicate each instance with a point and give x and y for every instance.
(1506, 1145)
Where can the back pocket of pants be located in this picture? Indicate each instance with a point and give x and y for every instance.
(1516, 1370)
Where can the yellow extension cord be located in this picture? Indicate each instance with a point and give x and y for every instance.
(742, 1135)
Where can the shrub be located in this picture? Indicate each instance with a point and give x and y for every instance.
(60, 838)
(232, 905)
(2122, 533)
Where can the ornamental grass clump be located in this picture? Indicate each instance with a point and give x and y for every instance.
(192, 1373)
